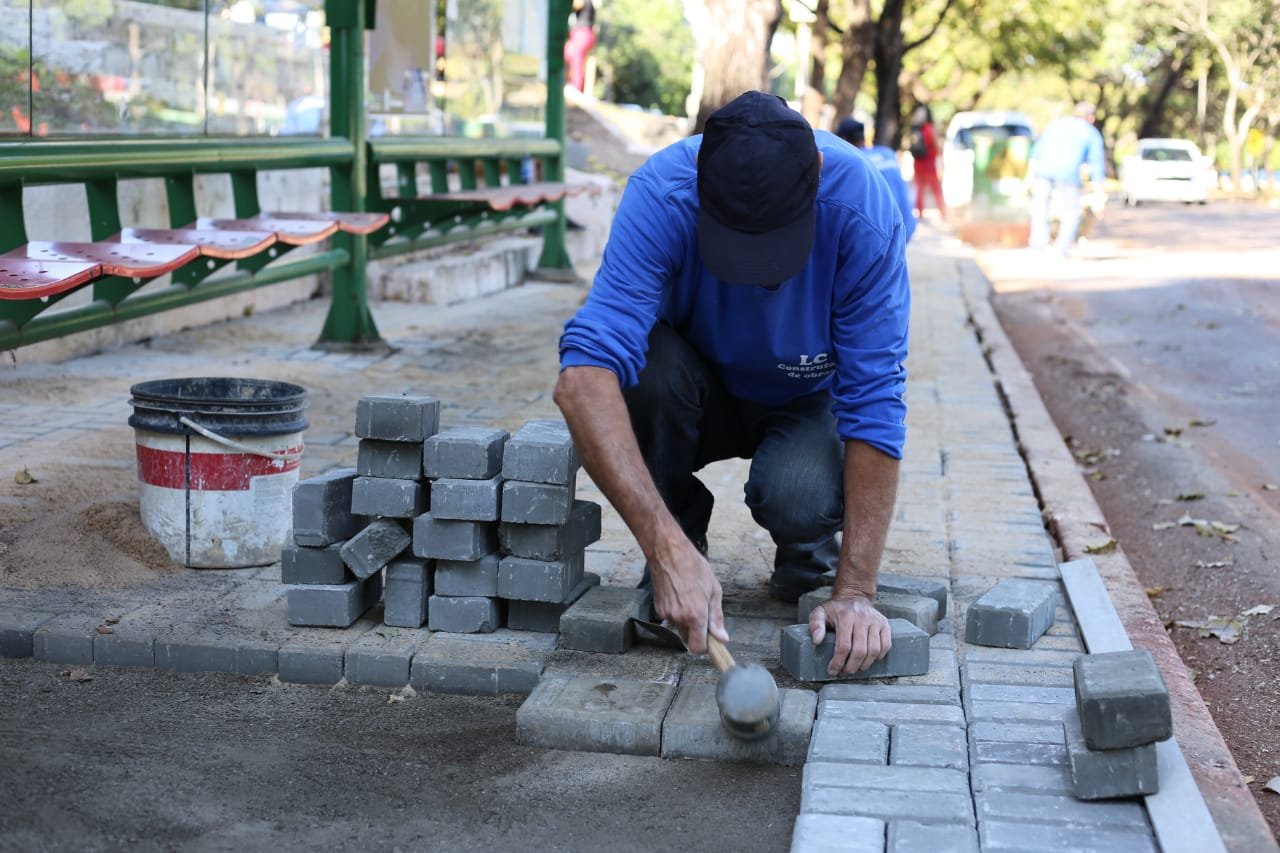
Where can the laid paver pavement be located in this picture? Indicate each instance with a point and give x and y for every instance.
(966, 512)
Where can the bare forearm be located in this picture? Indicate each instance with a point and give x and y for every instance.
(593, 407)
(870, 489)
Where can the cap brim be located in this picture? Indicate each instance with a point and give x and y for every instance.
(771, 257)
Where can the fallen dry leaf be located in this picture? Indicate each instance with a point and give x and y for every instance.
(1270, 487)
(1189, 496)
(1214, 564)
(1173, 431)
(1202, 422)
(77, 675)
(1096, 475)
(1273, 785)
(1258, 610)
(1226, 630)
(1249, 780)
(392, 698)
(1164, 525)
(1105, 548)
(1154, 591)
(106, 629)
(24, 478)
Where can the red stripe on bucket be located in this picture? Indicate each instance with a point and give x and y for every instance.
(210, 472)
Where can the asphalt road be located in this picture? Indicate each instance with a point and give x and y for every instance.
(147, 760)
(1157, 354)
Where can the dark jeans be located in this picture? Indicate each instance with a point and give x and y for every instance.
(684, 419)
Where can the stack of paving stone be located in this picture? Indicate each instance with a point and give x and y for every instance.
(1122, 709)
(350, 524)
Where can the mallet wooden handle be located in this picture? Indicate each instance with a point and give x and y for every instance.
(719, 655)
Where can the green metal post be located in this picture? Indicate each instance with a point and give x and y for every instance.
(350, 322)
(554, 254)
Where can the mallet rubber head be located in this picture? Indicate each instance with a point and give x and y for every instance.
(747, 697)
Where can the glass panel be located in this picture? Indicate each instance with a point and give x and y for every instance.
(117, 66)
(402, 57)
(495, 67)
(15, 67)
(267, 67)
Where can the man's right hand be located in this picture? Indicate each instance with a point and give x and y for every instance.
(687, 593)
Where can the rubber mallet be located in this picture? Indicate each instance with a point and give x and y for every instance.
(747, 696)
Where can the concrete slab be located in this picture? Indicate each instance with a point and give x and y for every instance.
(693, 729)
(595, 715)
(505, 661)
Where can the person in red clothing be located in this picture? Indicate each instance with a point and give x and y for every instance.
(922, 142)
(582, 37)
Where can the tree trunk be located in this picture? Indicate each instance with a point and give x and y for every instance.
(733, 53)
(815, 94)
(1174, 66)
(888, 57)
(855, 51)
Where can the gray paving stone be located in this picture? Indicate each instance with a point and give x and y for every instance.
(925, 794)
(67, 638)
(919, 610)
(600, 621)
(650, 663)
(300, 564)
(375, 546)
(464, 614)
(1013, 614)
(388, 498)
(1041, 838)
(927, 745)
(322, 509)
(505, 661)
(17, 631)
(943, 670)
(125, 647)
(545, 615)
(443, 539)
(692, 729)
(849, 740)
(401, 460)
(381, 657)
(539, 580)
(909, 654)
(397, 418)
(1003, 711)
(595, 715)
(889, 712)
(1019, 693)
(829, 833)
(1122, 699)
(536, 503)
(1061, 643)
(753, 636)
(459, 499)
(1010, 752)
(332, 605)
(468, 577)
(1045, 732)
(257, 656)
(553, 541)
(907, 836)
(541, 451)
(934, 588)
(1020, 657)
(471, 453)
(1023, 778)
(989, 673)
(408, 586)
(904, 693)
(186, 651)
(1010, 805)
(309, 660)
(1106, 773)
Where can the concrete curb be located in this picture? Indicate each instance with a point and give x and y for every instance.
(1076, 522)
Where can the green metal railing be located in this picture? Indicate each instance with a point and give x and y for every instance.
(353, 161)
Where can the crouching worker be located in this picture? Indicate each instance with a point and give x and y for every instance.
(752, 302)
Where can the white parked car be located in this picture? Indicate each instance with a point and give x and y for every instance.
(1166, 170)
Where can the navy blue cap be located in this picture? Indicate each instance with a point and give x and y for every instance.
(758, 173)
(851, 130)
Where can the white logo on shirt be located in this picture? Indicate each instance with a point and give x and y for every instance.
(810, 367)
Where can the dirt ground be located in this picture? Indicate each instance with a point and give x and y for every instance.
(1150, 462)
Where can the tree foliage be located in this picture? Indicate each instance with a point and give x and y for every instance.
(645, 50)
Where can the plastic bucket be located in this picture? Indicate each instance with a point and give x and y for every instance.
(217, 462)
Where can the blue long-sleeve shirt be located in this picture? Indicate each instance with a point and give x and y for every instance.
(838, 325)
(1064, 146)
(887, 162)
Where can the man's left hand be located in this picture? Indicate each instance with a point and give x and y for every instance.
(862, 633)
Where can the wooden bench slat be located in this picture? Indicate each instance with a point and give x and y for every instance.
(26, 278)
(212, 243)
(294, 232)
(352, 223)
(133, 260)
(507, 197)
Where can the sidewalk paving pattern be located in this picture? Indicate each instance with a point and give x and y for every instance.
(968, 756)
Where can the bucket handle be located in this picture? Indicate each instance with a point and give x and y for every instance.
(285, 455)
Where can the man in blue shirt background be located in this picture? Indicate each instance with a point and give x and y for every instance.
(751, 302)
(1054, 173)
(853, 132)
